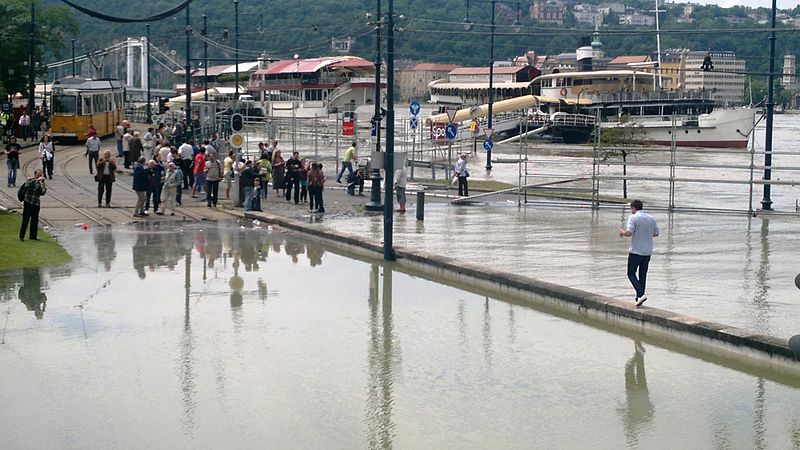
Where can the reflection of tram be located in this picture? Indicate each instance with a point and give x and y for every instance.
(78, 103)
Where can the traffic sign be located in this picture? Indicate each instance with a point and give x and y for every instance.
(414, 108)
(451, 114)
(488, 132)
(488, 145)
(373, 131)
(237, 140)
(154, 118)
(414, 123)
(451, 131)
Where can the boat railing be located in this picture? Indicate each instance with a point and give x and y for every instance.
(654, 96)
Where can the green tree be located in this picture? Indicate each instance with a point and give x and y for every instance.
(52, 22)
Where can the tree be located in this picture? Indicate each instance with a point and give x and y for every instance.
(52, 23)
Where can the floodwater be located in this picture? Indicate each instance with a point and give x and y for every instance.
(725, 268)
(217, 336)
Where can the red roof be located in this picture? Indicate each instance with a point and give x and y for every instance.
(434, 67)
(485, 70)
(312, 65)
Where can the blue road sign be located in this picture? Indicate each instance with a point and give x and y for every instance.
(451, 131)
(488, 145)
(414, 107)
(374, 129)
(414, 123)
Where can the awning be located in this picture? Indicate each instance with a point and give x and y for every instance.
(479, 86)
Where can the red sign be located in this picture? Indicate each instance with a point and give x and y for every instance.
(348, 128)
(437, 132)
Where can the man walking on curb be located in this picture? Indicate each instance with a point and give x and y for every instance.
(641, 228)
(349, 158)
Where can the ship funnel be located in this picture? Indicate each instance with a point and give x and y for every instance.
(584, 54)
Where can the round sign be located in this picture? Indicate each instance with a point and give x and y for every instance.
(488, 144)
(451, 131)
(476, 112)
(237, 140)
(414, 107)
(414, 123)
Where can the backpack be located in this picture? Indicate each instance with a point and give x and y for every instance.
(22, 191)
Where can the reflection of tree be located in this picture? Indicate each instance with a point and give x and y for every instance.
(383, 355)
(638, 410)
(30, 293)
(106, 247)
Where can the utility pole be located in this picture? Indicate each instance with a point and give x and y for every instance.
(388, 213)
(149, 108)
(205, 58)
(188, 109)
(32, 64)
(374, 203)
(73, 58)
(236, 45)
(491, 82)
(766, 202)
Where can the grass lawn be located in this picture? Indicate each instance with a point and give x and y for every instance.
(18, 255)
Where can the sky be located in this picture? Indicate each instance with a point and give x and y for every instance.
(782, 4)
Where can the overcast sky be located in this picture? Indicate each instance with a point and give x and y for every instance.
(782, 4)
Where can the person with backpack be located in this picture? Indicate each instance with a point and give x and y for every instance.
(29, 194)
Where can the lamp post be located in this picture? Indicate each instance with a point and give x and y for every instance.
(492, 26)
(236, 45)
(205, 58)
(188, 72)
(32, 63)
(149, 108)
(374, 203)
(766, 202)
(73, 58)
(388, 218)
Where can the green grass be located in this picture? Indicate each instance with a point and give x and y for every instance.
(28, 254)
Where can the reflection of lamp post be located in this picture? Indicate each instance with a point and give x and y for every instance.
(468, 26)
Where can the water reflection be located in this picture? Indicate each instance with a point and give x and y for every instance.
(30, 292)
(383, 356)
(106, 247)
(639, 410)
(762, 311)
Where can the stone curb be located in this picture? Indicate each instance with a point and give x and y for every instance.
(771, 348)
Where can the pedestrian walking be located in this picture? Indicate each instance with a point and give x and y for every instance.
(316, 185)
(34, 189)
(350, 157)
(149, 143)
(119, 132)
(105, 177)
(140, 178)
(47, 152)
(255, 202)
(12, 160)
(126, 146)
(641, 228)
(293, 168)
(155, 177)
(461, 172)
(25, 125)
(136, 147)
(199, 172)
(400, 181)
(172, 185)
(213, 176)
(93, 151)
(187, 155)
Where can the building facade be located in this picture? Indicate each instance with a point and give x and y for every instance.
(414, 81)
(726, 80)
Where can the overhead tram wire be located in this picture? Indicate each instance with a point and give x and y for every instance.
(154, 18)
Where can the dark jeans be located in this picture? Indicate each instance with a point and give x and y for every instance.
(155, 193)
(30, 214)
(640, 263)
(47, 167)
(345, 165)
(188, 175)
(315, 193)
(104, 185)
(463, 188)
(212, 192)
(293, 182)
(93, 157)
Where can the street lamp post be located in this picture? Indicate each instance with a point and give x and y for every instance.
(188, 72)
(374, 203)
(205, 58)
(236, 44)
(149, 108)
(73, 58)
(32, 63)
(388, 218)
(491, 83)
(766, 202)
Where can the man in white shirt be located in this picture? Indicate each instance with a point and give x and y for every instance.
(400, 180)
(93, 151)
(149, 143)
(187, 157)
(641, 228)
(126, 139)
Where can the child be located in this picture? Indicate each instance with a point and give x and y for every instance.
(316, 184)
(256, 194)
(306, 166)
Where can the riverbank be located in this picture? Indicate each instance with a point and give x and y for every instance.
(17, 254)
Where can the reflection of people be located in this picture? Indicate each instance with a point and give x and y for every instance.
(315, 254)
(639, 408)
(106, 249)
(30, 293)
(641, 228)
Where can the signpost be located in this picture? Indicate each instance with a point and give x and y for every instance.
(451, 114)
(237, 140)
(414, 108)
(450, 131)
(488, 145)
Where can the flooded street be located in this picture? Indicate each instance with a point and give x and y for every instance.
(218, 336)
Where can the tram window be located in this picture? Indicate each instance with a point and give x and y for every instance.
(87, 105)
(97, 104)
(64, 104)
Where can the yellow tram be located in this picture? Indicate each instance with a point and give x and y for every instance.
(77, 103)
